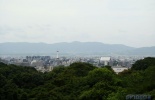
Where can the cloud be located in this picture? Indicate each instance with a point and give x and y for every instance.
(127, 22)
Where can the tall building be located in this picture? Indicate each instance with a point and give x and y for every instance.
(57, 61)
(57, 55)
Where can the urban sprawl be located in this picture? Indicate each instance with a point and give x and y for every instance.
(47, 63)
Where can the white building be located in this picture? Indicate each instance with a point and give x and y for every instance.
(119, 69)
(105, 60)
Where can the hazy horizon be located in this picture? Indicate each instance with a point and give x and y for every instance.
(79, 42)
(127, 22)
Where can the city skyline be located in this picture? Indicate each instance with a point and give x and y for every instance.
(128, 22)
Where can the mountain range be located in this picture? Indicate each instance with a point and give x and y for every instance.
(73, 48)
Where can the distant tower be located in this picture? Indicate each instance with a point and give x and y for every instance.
(57, 54)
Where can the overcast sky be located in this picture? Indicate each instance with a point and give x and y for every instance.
(129, 22)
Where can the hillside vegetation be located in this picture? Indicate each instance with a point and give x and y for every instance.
(79, 81)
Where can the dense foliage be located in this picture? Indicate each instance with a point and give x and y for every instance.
(79, 81)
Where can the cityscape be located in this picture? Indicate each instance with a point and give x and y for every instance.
(47, 63)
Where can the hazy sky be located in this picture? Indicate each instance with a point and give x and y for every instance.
(129, 22)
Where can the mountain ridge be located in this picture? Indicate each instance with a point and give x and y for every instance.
(73, 47)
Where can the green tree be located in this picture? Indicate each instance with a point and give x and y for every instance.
(101, 82)
(143, 64)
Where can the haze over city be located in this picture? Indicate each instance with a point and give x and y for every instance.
(128, 22)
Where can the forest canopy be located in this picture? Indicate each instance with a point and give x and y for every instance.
(79, 81)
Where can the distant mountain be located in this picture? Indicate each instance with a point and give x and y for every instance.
(71, 48)
(143, 51)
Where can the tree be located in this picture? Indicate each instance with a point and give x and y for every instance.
(101, 82)
(143, 64)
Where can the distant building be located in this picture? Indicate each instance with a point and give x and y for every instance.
(35, 63)
(57, 55)
(105, 60)
(118, 69)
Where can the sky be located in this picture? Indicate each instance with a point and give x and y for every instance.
(128, 22)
